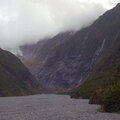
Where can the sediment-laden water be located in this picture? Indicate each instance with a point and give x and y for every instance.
(50, 107)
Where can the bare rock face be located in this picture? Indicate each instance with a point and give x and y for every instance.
(66, 60)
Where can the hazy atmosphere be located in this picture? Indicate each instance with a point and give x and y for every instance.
(27, 21)
(66, 60)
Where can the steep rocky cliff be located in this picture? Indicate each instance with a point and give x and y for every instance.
(66, 60)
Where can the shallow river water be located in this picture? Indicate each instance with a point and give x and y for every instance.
(50, 107)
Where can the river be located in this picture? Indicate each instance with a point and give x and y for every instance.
(50, 107)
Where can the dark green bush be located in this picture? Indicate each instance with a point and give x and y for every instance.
(112, 99)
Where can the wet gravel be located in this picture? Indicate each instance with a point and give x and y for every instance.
(50, 107)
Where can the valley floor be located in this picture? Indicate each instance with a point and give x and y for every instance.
(50, 107)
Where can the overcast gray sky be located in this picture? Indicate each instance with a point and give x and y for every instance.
(27, 21)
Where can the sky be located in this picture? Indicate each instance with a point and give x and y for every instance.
(28, 21)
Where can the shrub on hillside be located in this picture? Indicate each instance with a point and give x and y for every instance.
(112, 99)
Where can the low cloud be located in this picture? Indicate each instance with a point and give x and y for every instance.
(27, 21)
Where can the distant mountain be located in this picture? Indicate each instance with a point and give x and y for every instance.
(67, 59)
(15, 79)
(36, 56)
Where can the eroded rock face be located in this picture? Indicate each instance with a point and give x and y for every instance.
(65, 60)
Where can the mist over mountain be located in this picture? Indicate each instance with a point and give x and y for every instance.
(28, 21)
(60, 47)
(102, 85)
(66, 60)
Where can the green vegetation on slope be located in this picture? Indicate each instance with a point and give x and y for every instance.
(15, 79)
(112, 99)
(103, 86)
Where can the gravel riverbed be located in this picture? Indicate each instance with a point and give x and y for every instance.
(50, 107)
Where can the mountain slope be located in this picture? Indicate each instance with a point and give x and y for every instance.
(15, 79)
(36, 55)
(69, 63)
(104, 73)
(103, 85)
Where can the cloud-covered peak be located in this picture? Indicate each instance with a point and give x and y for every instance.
(27, 21)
